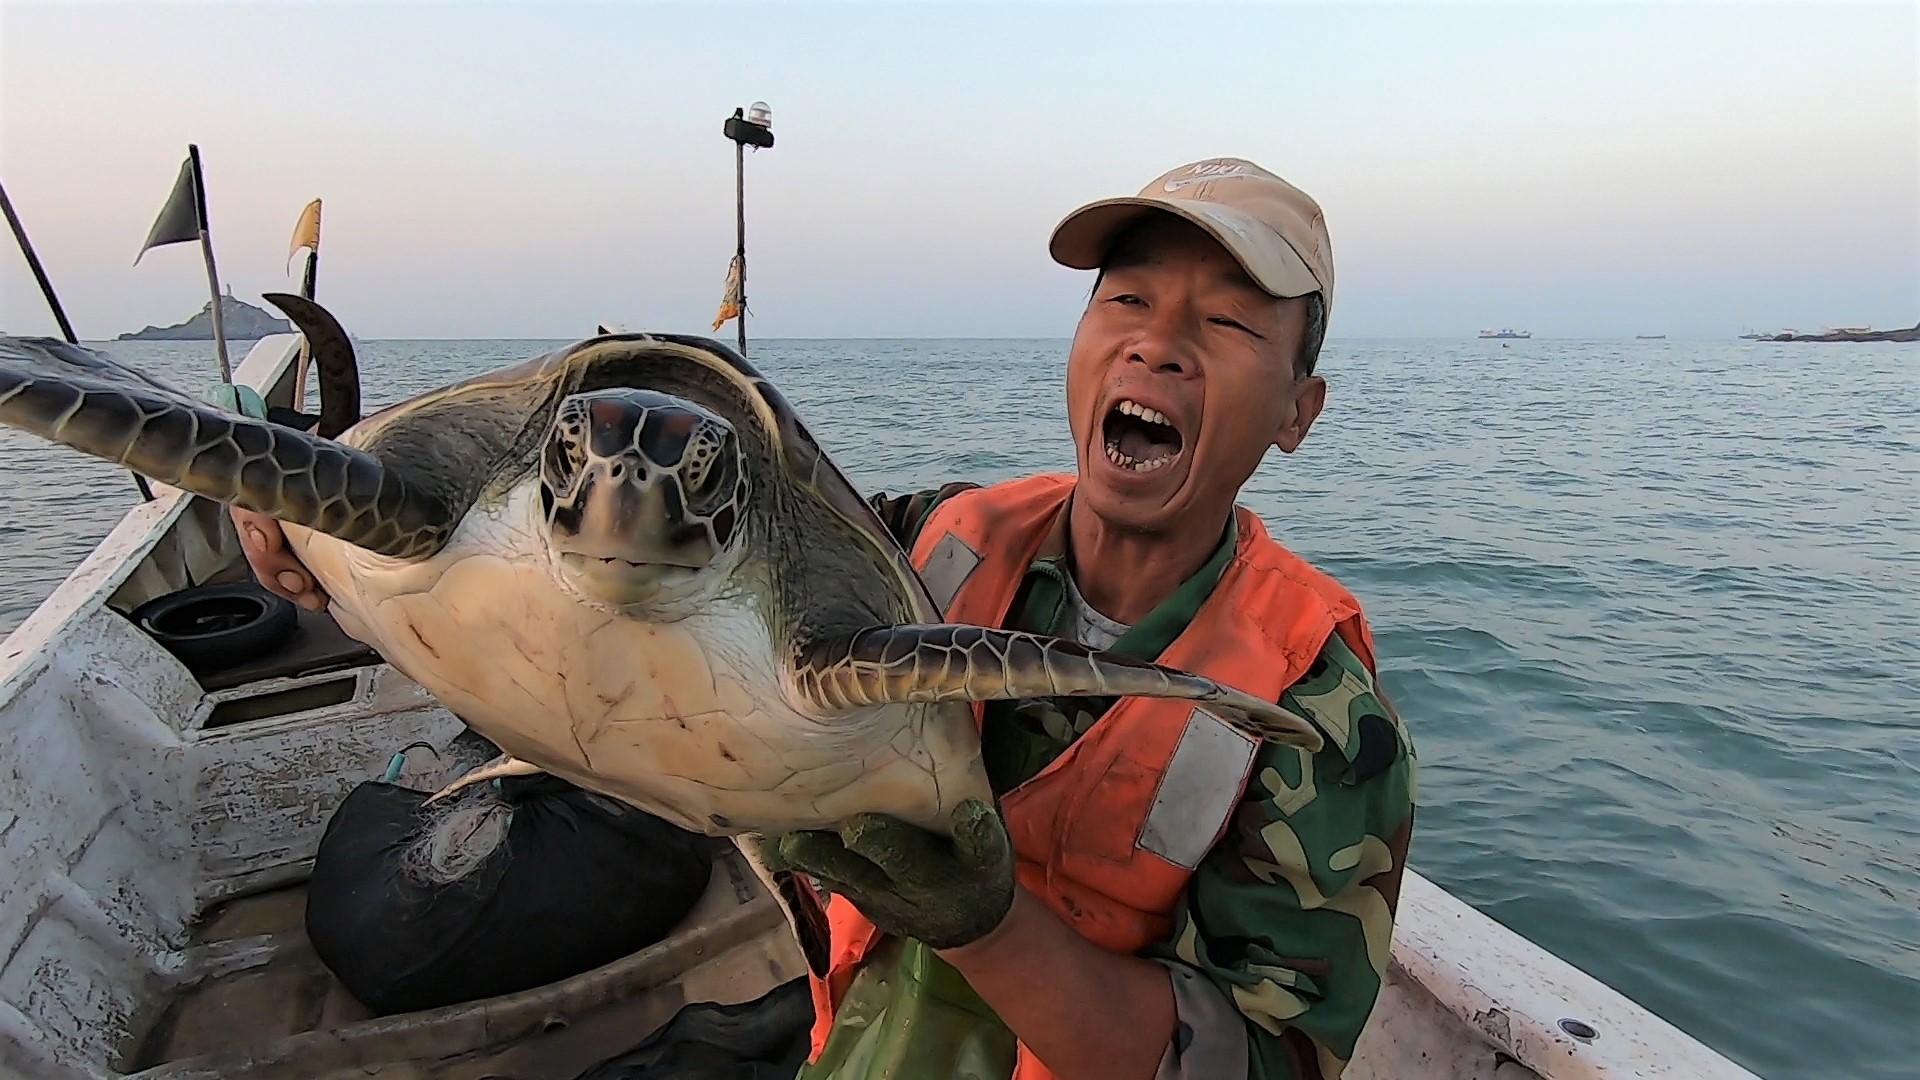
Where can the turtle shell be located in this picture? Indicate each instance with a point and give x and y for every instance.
(807, 523)
(400, 481)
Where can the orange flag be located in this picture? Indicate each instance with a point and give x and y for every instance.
(306, 231)
(730, 303)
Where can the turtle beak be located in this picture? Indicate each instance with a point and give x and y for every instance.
(623, 514)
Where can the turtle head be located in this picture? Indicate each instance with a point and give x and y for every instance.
(644, 495)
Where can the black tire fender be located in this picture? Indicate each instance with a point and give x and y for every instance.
(210, 627)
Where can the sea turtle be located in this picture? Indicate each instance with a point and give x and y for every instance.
(628, 564)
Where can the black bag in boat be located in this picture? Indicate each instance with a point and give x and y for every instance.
(496, 889)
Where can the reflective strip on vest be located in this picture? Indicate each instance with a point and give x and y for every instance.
(1198, 791)
(948, 568)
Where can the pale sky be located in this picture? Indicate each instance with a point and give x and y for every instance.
(525, 170)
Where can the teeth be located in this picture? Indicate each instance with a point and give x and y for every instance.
(1130, 407)
(1124, 461)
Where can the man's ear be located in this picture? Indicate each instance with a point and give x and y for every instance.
(1309, 397)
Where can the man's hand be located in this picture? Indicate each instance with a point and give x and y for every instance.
(265, 545)
(1089, 1014)
(911, 882)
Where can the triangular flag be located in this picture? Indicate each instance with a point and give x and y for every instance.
(730, 303)
(306, 232)
(179, 220)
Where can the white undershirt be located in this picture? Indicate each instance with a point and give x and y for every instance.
(1089, 627)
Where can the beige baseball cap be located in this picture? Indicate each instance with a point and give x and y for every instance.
(1274, 229)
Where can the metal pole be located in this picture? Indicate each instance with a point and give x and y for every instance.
(39, 274)
(219, 324)
(213, 276)
(740, 219)
(744, 128)
(307, 280)
(46, 290)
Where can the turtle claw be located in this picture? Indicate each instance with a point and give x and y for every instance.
(502, 766)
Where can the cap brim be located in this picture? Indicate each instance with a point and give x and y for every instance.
(1082, 237)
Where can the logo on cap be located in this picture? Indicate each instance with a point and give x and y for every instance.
(1209, 170)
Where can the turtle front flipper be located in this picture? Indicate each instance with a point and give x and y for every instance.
(950, 662)
(77, 398)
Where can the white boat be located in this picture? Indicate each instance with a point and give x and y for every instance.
(1506, 333)
(156, 830)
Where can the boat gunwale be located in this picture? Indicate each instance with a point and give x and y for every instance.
(1513, 993)
(26, 652)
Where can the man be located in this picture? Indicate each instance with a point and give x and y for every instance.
(1157, 897)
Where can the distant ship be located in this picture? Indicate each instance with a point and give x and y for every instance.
(1506, 333)
(1649, 337)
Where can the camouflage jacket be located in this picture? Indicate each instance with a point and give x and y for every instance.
(1291, 914)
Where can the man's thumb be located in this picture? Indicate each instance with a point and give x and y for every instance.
(980, 837)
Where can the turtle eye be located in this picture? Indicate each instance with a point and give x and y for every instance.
(709, 469)
(702, 450)
(559, 463)
(560, 459)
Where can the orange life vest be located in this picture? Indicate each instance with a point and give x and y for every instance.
(1108, 834)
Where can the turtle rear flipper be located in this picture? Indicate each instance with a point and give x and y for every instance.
(802, 907)
(80, 399)
(953, 662)
(333, 361)
(503, 765)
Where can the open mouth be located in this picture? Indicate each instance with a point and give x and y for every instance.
(1140, 438)
(598, 562)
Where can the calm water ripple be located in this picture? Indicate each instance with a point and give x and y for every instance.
(1651, 610)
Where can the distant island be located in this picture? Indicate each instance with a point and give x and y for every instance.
(1838, 335)
(244, 322)
(1849, 333)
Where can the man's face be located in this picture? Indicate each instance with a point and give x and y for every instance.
(1182, 374)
